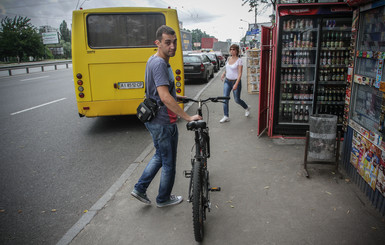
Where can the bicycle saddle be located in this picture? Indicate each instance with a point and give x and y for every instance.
(196, 124)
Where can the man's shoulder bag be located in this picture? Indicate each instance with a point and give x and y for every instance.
(147, 110)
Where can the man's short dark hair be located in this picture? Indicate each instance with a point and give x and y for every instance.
(164, 30)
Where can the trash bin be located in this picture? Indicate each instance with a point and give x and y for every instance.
(322, 137)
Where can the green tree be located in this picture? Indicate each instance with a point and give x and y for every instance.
(20, 39)
(65, 33)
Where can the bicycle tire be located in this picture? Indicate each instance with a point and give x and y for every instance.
(198, 202)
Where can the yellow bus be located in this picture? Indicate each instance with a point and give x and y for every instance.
(110, 49)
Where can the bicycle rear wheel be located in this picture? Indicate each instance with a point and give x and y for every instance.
(198, 201)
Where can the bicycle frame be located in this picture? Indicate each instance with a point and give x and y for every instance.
(199, 187)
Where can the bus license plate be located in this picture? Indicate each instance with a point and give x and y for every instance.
(130, 85)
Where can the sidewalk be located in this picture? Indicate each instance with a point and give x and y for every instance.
(265, 199)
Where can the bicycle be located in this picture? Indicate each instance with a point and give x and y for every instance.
(199, 187)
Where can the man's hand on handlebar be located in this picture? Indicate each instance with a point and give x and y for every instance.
(195, 118)
(182, 99)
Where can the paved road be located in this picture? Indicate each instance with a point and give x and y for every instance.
(53, 164)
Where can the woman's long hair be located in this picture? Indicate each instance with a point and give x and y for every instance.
(236, 47)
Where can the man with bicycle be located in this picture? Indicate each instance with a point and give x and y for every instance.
(160, 86)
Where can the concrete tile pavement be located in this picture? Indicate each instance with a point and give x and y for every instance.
(265, 199)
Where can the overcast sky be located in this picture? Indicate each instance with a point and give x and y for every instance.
(219, 18)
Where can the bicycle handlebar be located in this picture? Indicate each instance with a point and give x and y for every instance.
(212, 99)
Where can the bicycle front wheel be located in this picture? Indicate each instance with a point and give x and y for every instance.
(198, 201)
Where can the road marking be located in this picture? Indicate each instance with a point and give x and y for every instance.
(32, 78)
(38, 106)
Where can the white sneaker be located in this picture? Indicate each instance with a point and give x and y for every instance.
(225, 119)
(247, 111)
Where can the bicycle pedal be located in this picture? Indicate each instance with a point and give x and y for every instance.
(187, 173)
(215, 189)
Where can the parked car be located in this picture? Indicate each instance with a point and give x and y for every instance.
(214, 59)
(198, 66)
(222, 60)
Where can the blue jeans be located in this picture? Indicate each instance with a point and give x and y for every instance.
(165, 138)
(227, 87)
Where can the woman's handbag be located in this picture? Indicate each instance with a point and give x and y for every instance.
(147, 110)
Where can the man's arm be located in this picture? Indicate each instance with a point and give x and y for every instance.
(172, 105)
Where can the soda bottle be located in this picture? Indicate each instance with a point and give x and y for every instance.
(332, 40)
(291, 58)
(311, 96)
(289, 75)
(329, 58)
(294, 76)
(305, 40)
(300, 58)
(338, 58)
(322, 95)
(296, 92)
(305, 92)
(338, 95)
(333, 74)
(311, 40)
(342, 93)
(342, 77)
(346, 58)
(341, 43)
(319, 94)
(291, 42)
(321, 75)
(292, 25)
(290, 92)
(306, 116)
(330, 95)
(328, 75)
(301, 76)
(284, 92)
(324, 37)
(290, 114)
(296, 113)
(338, 75)
(324, 58)
(301, 113)
(284, 113)
(328, 40)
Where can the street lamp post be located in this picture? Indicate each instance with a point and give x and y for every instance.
(248, 29)
(243, 35)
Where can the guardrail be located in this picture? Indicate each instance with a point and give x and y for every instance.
(34, 65)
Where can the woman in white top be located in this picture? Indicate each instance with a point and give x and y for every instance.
(232, 81)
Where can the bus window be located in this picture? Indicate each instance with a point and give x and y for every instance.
(123, 30)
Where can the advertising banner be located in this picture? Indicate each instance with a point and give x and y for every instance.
(50, 38)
